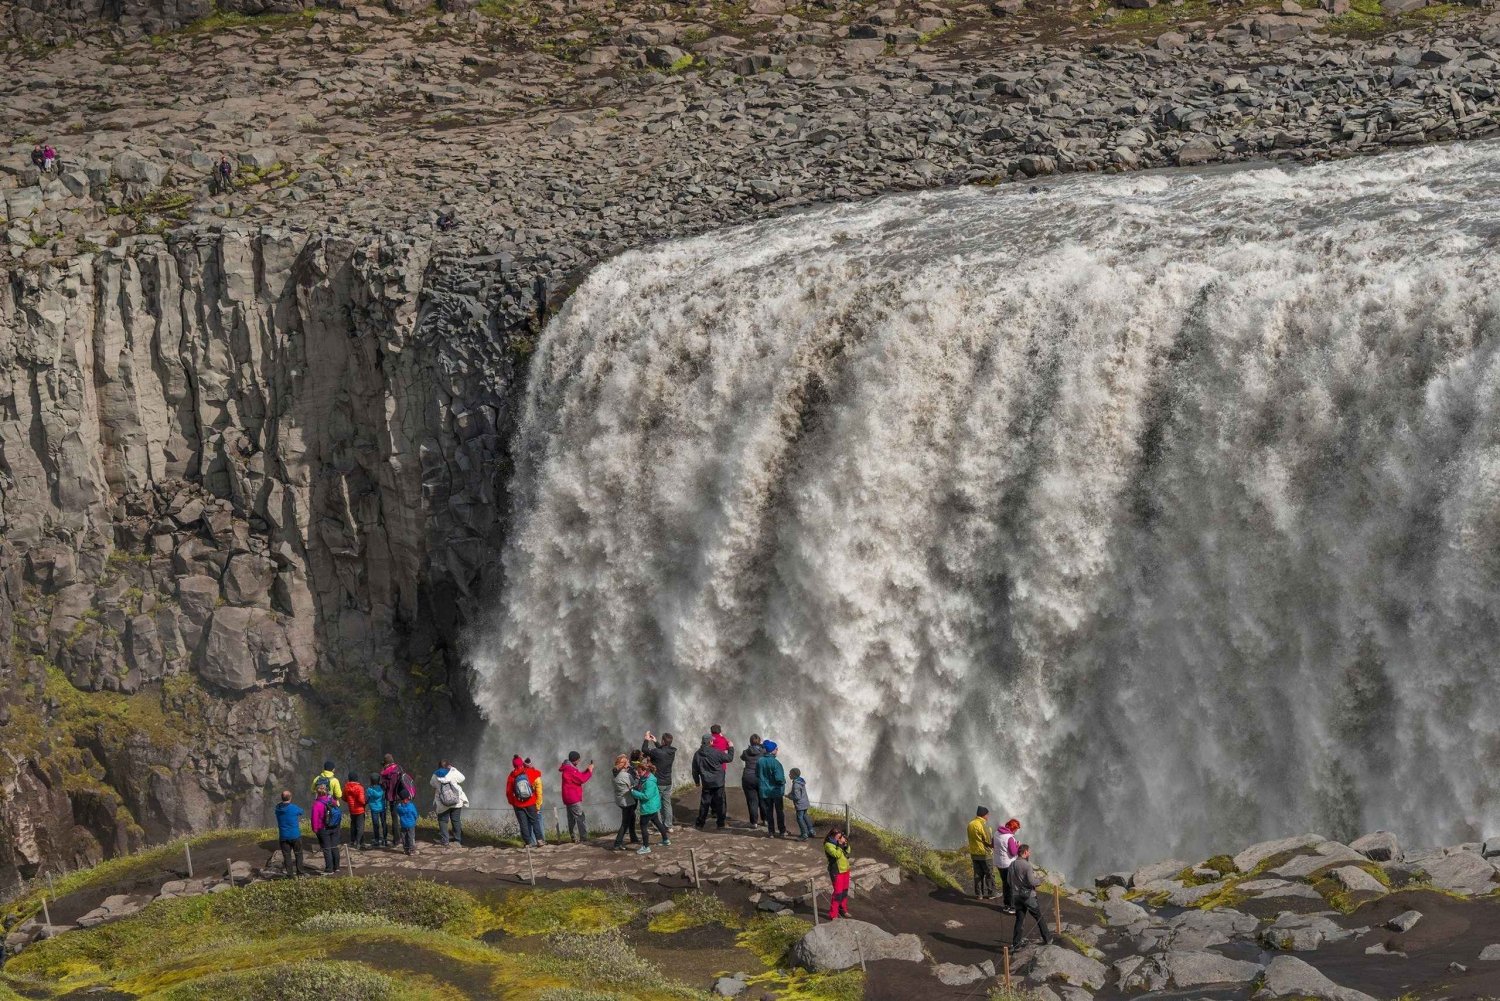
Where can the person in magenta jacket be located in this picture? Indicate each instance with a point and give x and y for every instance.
(573, 780)
(327, 834)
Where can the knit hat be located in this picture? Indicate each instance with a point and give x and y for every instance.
(983, 811)
(328, 766)
(769, 746)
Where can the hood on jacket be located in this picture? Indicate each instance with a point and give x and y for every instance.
(442, 772)
(517, 761)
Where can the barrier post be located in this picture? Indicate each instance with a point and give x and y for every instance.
(187, 849)
(693, 854)
(847, 829)
(531, 861)
(1057, 906)
(46, 911)
(812, 890)
(1005, 964)
(50, 891)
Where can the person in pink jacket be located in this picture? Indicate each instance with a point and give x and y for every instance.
(573, 780)
(327, 819)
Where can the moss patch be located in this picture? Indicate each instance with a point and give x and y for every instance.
(694, 909)
(545, 912)
(771, 938)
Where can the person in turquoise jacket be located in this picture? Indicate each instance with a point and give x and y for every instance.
(375, 796)
(772, 790)
(647, 795)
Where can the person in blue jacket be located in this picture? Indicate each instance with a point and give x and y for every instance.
(772, 790)
(289, 830)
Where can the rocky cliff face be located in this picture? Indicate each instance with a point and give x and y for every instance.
(241, 477)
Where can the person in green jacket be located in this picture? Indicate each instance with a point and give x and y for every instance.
(648, 799)
(836, 847)
(329, 780)
(772, 790)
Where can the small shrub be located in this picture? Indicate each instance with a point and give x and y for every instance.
(327, 981)
(608, 958)
(771, 938)
(694, 909)
(334, 921)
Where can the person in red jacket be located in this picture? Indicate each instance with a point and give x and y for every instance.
(523, 790)
(572, 795)
(354, 798)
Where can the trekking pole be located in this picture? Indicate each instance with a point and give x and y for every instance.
(1057, 906)
(187, 848)
(1005, 964)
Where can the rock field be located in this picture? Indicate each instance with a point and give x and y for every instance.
(253, 444)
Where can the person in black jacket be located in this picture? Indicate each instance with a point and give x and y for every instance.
(708, 774)
(750, 778)
(662, 754)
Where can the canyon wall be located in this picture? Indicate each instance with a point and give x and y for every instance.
(242, 477)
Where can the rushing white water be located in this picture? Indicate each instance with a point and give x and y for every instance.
(1162, 511)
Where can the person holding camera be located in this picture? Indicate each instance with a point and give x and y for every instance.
(573, 781)
(662, 754)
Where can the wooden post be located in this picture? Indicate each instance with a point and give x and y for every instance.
(860, 948)
(46, 912)
(187, 849)
(847, 829)
(693, 854)
(1057, 906)
(812, 891)
(556, 822)
(1005, 964)
(350, 856)
(50, 891)
(531, 861)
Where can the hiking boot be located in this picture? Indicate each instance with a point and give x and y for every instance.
(666, 843)
(643, 850)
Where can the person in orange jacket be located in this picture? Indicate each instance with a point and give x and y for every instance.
(523, 790)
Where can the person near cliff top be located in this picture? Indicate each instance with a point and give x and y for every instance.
(38, 158)
(375, 804)
(289, 833)
(663, 755)
(1006, 850)
(449, 799)
(327, 778)
(836, 848)
(327, 819)
(223, 175)
(1023, 887)
(573, 781)
(647, 795)
(624, 781)
(523, 790)
(981, 850)
(357, 801)
(406, 816)
(797, 793)
(772, 790)
(49, 159)
(709, 763)
(750, 778)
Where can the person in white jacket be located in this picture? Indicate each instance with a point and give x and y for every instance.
(449, 800)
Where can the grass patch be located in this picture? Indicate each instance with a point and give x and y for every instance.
(546, 912)
(1362, 17)
(800, 985)
(332, 981)
(694, 909)
(771, 938)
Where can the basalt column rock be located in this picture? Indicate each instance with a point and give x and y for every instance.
(246, 479)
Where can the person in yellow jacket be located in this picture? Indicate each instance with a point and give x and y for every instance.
(836, 847)
(327, 778)
(981, 850)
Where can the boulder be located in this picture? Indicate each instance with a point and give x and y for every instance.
(1054, 964)
(839, 945)
(22, 202)
(1405, 921)
(1123, 912)
(1183, 969)
(1156, 872)
(1490, 954)
(1461, 872)
(1356, 880)
(1491, 848)
(136, 169)
(1290, 977)
(1197, 151)
(730, 987)
(1378, 846)
(956, 975)
(247, 580)
(1395, 8)
(1258, 853)
(1301, 932)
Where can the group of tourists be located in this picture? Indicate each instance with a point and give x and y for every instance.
(642, 784)
(388, 802)
(1002, 850)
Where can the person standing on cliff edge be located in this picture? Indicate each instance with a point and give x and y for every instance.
(750, 778)
(662, 755)
(981, 848)
(708, 774)
(1006, 850)
(1023, 887)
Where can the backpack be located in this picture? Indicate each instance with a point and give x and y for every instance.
(406, 787)
(447, 794)
(523, 788)
(333, 817)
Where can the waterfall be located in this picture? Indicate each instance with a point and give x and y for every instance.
(1161, 510)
